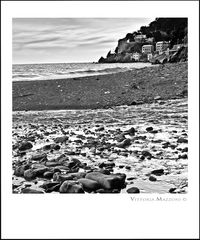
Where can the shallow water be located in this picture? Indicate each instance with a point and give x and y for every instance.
(168, 118)
(30, 72)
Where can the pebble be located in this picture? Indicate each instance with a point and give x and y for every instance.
(25, 146)
(133, 190)
(158, 172)
(71, 187)
(148, 129)
(152, 179)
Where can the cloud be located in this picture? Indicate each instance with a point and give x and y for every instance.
(44, 36)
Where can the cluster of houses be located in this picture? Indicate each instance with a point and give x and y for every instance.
(149, 49)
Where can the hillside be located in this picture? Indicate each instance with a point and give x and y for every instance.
(172, 30)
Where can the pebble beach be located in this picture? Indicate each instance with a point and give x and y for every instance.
(115, 133)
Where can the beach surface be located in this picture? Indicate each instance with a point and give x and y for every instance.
(132, 87)
(126, 149)
(139, 146)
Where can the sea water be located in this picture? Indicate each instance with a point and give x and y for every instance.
(50, 71)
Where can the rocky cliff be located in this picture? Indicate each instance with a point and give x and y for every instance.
(173, 30)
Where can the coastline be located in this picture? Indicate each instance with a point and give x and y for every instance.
(133, 87)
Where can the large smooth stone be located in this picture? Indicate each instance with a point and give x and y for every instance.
(29, 174)
(89, 185)
(19, 171)
(25, 146)
(112, 181)
(40, 171)
(71, 187)
(48, 174)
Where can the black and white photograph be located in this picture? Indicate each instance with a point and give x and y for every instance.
(101, 108)
(114, 125)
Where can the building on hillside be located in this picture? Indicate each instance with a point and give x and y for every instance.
(162, 46)
(147, 49)
(149, 56)
(136, 56)
(150, 40)
(140, 38)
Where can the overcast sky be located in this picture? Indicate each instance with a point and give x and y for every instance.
(45, 40)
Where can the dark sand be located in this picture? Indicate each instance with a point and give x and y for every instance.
(169, 81)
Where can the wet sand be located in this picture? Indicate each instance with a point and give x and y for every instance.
(127, 88)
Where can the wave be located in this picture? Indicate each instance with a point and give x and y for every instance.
(106, 70)
(24, 76)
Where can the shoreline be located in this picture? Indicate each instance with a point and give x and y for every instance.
(131, 87)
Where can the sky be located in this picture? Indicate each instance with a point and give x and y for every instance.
(51, 40)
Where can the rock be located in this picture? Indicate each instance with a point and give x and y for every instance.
(107, 164)
(133, 190)
(78, 175)
(19, 171)
(25, 146)
(51, 147)
(146, 153)
(101, 128)
(39, 156)
(111, 181)
(133, 103)
(54, 188)
(128, 167)
(30, 190)
(121, 137)
(40, 171)
(37, 165)
(171, 190)
(104, 171)
(71, 187)
(61, 139)
(47, 185)
(185, 149)
(73, 163)
(58, 177)
(158, 172)
(124, 143)
(131, 178)
(182, 140)
(184, 156)
(89, 185)
(48, 174)
(142, 157)
(116, 191)
(52, 164)
(131, 131)
(121, 166)
(157, 98)
(29, 174)
(152, 179)
(103, 191)
(148, 129)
